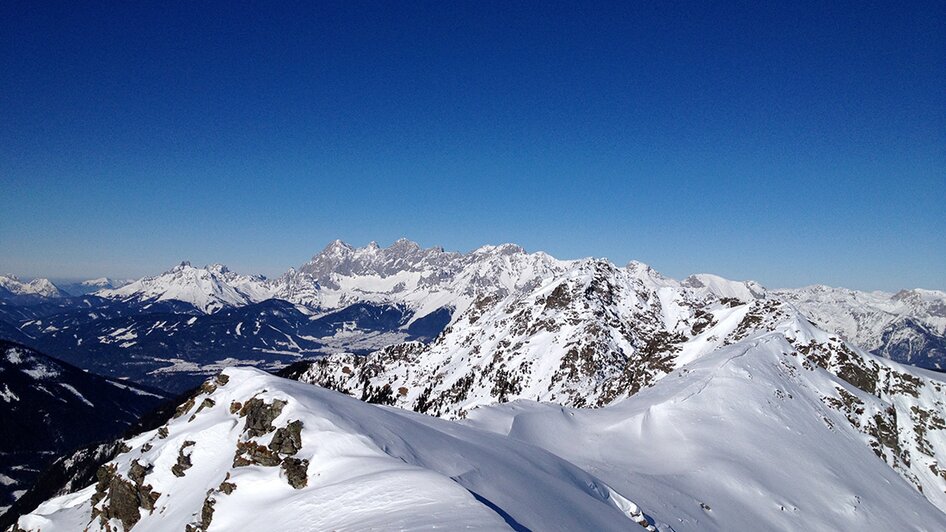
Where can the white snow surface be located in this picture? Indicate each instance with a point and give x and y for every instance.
(738, 440)
(369, 468)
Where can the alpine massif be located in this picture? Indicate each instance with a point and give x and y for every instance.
(510, 390)
(175, 329)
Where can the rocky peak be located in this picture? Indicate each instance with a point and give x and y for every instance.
(501, 249)
(218, 268)
(37, 287)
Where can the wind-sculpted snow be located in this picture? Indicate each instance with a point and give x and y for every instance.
(255, 452)
(746, 438)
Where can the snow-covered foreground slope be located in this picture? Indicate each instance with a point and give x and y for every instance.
(48, 407)
(256, 452)
(764, 434)
(751, 437)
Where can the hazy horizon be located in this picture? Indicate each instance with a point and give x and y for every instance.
(791, 143)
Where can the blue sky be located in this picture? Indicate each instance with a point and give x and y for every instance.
(782, 142)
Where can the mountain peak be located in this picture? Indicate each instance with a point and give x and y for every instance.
(501, 249)
(184, 264)
(37, 287)
(638, 266)
(209, 289)
(403, 243)
(336, 247)
(218, 268)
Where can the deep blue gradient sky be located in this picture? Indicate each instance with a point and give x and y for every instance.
(782, 142)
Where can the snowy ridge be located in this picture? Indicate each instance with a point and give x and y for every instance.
(208, 289)
(707, 284)
(423, 279)
(255, 452)
(12, 285)
(602, 334)
(743, 439)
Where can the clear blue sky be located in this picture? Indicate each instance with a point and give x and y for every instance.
(781, 142)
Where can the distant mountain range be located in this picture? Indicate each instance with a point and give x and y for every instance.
(174, 329)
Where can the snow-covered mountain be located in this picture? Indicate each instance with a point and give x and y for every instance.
(11, 285)
(48, 406)
(586, 337)
(104, 283)
(758, 436)
(90, 286)
(208, 289)
(599, 335)
(908, 326)
(425, 280)
(358, 300)
(255, 452)
(685, 396)
(763, 434)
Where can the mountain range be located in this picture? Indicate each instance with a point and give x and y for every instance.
(766, 433)
(503, 389)
(174, 329)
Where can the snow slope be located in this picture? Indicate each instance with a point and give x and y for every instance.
(773, 432)
(256, 452)
(746, 438)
